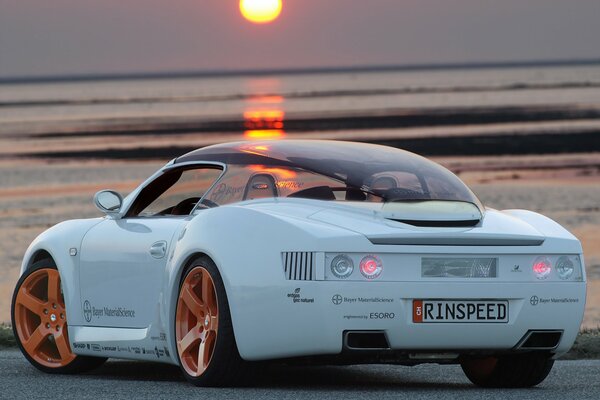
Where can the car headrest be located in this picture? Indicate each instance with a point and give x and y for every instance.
(260, 186)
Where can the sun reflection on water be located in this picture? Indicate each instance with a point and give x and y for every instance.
(264, 116)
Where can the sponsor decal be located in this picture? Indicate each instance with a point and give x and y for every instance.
(109, 348)
(150, 351)
(162, 337)
(355, 317)
(294, 185)
(382, 315)
(372, 315)
(535, 300)
(166, 351)
(296, 297)
(159, 352)
(79, 345)
(136, 350)
(516, 268)
(223, 192)
(96, 347)
(87, 311)
(338, 299)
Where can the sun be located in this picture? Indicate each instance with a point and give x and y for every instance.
(260, 11)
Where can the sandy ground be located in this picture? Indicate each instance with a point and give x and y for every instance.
(36, 194)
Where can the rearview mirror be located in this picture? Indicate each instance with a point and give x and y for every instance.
(109, 202)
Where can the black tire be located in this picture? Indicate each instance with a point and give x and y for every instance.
(79, 364)
(514, 371)
(226, 367)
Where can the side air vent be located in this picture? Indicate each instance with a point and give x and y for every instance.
(299, 265)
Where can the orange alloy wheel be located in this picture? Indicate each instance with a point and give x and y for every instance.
(197, 321)
(41, 321)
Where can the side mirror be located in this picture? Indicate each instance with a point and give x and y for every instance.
(109, 202)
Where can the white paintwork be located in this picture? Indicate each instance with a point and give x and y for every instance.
(114, 268)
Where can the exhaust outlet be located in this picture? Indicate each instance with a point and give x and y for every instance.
(366, 340)
(540, 340)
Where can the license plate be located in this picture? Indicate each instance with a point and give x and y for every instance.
(447, 311)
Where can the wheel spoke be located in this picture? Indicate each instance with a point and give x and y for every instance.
(62, 344)
(198, 310)
(205, 350)
(35, 340)
(214, 323)
(30, 302)
(192, 301)
(54, 287)
(207, 292)
(191, 338)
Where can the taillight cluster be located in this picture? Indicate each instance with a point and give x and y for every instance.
(342, 266)
(564, 267)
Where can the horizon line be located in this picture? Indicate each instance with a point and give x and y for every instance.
(185, 74)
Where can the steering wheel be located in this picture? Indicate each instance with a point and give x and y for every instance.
(207, 204)
(184, 207)
(352, 193)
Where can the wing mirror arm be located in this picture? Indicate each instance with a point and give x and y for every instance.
(109, 202)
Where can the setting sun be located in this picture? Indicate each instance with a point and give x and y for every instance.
(260, 11)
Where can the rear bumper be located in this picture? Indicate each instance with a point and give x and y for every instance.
(309, 318)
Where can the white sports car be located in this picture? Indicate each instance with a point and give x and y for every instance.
(302, 251)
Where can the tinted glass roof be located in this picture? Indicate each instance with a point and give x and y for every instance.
(356, 164)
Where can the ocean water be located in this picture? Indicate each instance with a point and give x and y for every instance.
(299, 95)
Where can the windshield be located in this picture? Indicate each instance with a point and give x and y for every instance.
(328, 170)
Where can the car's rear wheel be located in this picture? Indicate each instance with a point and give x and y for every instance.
(39, 320)
(511, 371)
(206, 346)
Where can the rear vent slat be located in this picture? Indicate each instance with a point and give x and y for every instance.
(299, 265)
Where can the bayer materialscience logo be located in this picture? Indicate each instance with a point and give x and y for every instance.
(336, 299)
(87, 311)
(534, 300)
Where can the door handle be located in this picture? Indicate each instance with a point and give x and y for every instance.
(158, 249)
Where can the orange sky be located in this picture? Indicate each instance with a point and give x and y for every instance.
(61, 37)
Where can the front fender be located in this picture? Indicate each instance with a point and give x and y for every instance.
(57, 241)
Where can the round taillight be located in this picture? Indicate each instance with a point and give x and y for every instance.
(564, 267)
(371, 267)
(542, 267)
(342, 266)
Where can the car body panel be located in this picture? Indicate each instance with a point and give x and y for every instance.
(275, 316)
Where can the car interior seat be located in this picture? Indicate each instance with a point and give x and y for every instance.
(260, 186)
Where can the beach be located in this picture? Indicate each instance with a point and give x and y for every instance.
(526, 138)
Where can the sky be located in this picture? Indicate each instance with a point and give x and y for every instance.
(80, 37)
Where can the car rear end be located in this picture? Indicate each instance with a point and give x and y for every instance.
(452, 302)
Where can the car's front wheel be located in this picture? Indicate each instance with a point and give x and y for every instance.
(39, 320)
(511, 371)
(206, 347)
